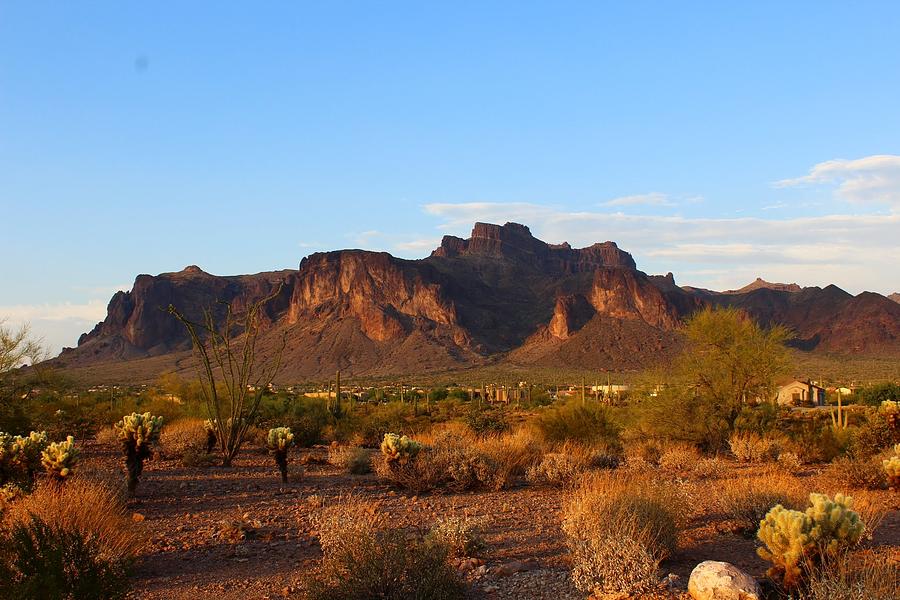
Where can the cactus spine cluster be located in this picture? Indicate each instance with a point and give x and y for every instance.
(59, 458)
(795, 541)
(400, 449)
(279, 441)
(890, 410)
(137, 432)
(892, 468)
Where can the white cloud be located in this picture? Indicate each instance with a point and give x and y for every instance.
(651, 199)
(855, 252)
(872, 179)
(57, 325)
(418, 245)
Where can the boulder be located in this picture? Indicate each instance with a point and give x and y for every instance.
(714, 580)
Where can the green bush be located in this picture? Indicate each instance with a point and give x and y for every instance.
(590, 424)
(41, 562)
(874, 395)
(487, 421)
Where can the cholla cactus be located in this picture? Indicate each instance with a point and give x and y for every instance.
(212, 434)
(795, 541)
(29, 450)
(279, 441)
(890, 410)
(399, 449)
(892, 468)
(59, 458)
(136, 432)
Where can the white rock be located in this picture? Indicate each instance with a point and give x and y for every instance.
(714, 580)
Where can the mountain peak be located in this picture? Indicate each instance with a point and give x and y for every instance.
(895, 297)
(762, 284)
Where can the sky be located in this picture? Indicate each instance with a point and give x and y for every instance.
(717, 141)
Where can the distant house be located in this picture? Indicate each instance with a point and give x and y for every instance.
(799, 392)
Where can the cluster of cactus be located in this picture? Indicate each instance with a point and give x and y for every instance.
(212, 434)
(890, 410)
(59, 458)
(892, 468)
(137, 432)
(795, 541)
(399, 448)
(279, 441)
(20, 456)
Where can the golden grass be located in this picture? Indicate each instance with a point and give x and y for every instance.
(93, 509)
(182, 436)
(747, 499)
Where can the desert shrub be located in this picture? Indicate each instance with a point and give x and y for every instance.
(38, 561)
(745, 501)
(589, 424)
(461, 536)
(759, 419)
(364, 559)
(873, 436)
(424, 473)
(849, 579)
(486, 421)
(874, 395)
(798, 543)
(183, 436)
(789, 461)
(679, 457)
(568, 462)
(107, 436)
(817, 443)
(511, 454)
(618, 527)
(857, 473)
(647, 452)
(352, 459)
(72, 541)
(751, 447)
(709, 468)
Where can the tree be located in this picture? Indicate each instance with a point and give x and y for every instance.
(728, 362)
(233, 378)
(18, 348)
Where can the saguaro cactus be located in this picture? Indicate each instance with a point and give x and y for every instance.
(137, 432)
(59, 458)
(279, 441)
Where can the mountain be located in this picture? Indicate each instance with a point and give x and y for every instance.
(761, 284)
(895, 296)
(499, 296)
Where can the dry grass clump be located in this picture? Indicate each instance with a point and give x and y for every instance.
(871, 578)
(108, 436)
(750, 447)
(182, 436)
(456, 459)
(67, 541)
(857, 473)
(362, 558)
(618, 527)
(461, 536)
(679, 457)
(568, 462)
(351, 459)
(790, 462)
(643, 454)
(709, 468)
(746, 500)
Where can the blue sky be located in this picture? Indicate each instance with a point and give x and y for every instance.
(716, 142)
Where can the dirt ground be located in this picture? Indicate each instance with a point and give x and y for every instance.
(239, 533)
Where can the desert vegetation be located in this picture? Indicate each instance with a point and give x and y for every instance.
(447, 492)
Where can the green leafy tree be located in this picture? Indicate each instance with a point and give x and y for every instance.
(729, 361)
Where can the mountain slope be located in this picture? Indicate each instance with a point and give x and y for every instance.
(500, 295)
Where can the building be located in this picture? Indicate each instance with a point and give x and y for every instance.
(799, 393)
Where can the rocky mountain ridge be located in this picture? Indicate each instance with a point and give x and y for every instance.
(500, 295)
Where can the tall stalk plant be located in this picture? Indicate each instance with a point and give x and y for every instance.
(233, 377)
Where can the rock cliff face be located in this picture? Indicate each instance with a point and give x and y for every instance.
(895, 297)
(501, 294)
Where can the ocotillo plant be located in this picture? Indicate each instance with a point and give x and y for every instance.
(279, 441)
(136, 432)
(59, 458)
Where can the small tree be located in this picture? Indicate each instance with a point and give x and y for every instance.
(728, 362)
(233, 378)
